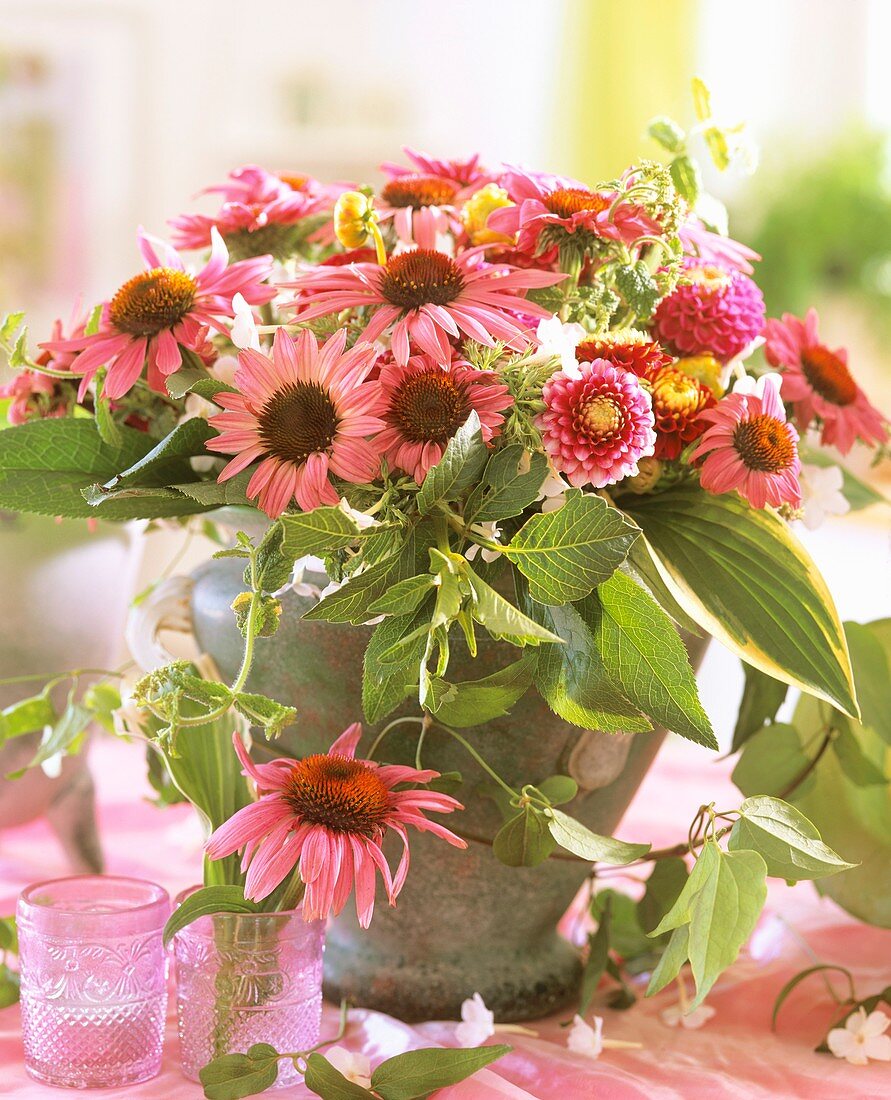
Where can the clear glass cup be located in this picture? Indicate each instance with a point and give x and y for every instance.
(93, 979)
(245, 978)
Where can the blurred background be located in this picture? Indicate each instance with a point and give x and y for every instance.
(115, 113)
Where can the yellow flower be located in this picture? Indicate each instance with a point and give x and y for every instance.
(353, 212)
(476, 213)
(650, 470)
(705, 369)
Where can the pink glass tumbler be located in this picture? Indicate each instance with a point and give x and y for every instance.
(93, 980)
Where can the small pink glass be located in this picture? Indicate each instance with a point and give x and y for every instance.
(245, 978)
(93, 980)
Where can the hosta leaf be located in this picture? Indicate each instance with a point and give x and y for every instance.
(642, 650)
(564, 554)
(746, 579)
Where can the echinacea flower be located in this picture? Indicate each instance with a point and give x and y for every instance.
(36, 396)
(548, 211)
(426, 401)
(261, 213)
(709, 247)
(304, 414)
(329, 812)
(467, 174)
(626, 348)
(821, 494)
(597, 425)
(420, 207)
(818, 384)
(678, 402)
(428, 297)
(751, 447)
(158, 312)
(863, 1037)
(718, 311)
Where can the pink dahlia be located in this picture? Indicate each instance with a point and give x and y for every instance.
(719, 312)
(556, 207)
(420, 207)
(160, 311)
(709, 247)
(303, 415)
(330, 812)
(258, 211)
(817, 383)
(596, 424)
(428, 297)
(424, 403)
(751, 447)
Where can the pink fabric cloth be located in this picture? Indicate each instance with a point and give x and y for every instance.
(734, 1056)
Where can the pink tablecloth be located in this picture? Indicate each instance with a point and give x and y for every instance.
(734, 1056)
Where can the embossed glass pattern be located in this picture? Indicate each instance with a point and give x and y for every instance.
(93, 980)
(248, 978)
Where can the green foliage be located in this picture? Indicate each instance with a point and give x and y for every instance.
(320, 531)
(459, 468)
(762, 698)
(510, 482)
(233, 1076)
(576, 838)
(417, 1073)
(329, 1083)
(26, 716)
(789, 844)
(205, 902)
(473, 702)
(525, 840)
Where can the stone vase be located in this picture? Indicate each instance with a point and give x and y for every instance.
(465, 923)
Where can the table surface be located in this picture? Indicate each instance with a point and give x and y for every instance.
(734, 1056)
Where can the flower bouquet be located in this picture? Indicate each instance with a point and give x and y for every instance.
(491, 454)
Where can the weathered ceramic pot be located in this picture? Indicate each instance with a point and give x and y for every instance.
(465, 923)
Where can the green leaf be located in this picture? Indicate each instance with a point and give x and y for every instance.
(724, 915)
(664, 886)
(9, 325)
(667, 133)
(417, 1073)
(217, 494)
(262, 711)
(329, 1083)
(9, 986)
(627, 938)
(687, 178)
(576, 838)
(403, 597)
(771, 761)
(673, 958)
(167, 461)
(679, 914)
(746, 579)
(204, 903)
(642, 650)
(351, 603)
(459, 468)
(108, 428)
(385, 687)
(9, 940)
(558, 789)
(45, 465)
(762, 698)
(273, 568)
(564, 554)
(233, 1076)
(61, 737)
(473, 702)
(638, 288)
(573, 679)
(872, 674)
(856, 765)
(525, 840)
(320, 531)
(502, 620)
(92, 325)
(787, 840)
(26, 716)
(598, 956)
(511, 481)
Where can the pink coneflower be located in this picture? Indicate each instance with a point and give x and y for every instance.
(548, 210)
(424, 403)
(428, 297)
(259, 212)
(751, 447)
(37, 396)
(467, 174)
(818, 384)
(304, 415)
(597, 423)
(330, 812)
(420, 207)
(710, 247)
(155, 313)
(719, 312)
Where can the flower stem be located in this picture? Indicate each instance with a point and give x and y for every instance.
(476, 756)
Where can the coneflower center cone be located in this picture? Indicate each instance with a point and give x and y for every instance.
(763, 443)
(566, 201)
(341, 793)
(152, 301)
(429, 407)
(418, 191)
(298, 421)
(828, 375)
(421, 277)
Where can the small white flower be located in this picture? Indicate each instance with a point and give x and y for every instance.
(863, 1037)
(223, 370)
(477, 1022)
(558, 339)
(166, 607)
(552, 491)
(244, 327)
(821, 494)
(355, 1067)
(747, 384)
(584, 1039)
(362, 520)
(692, 1021)
(489, 531)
